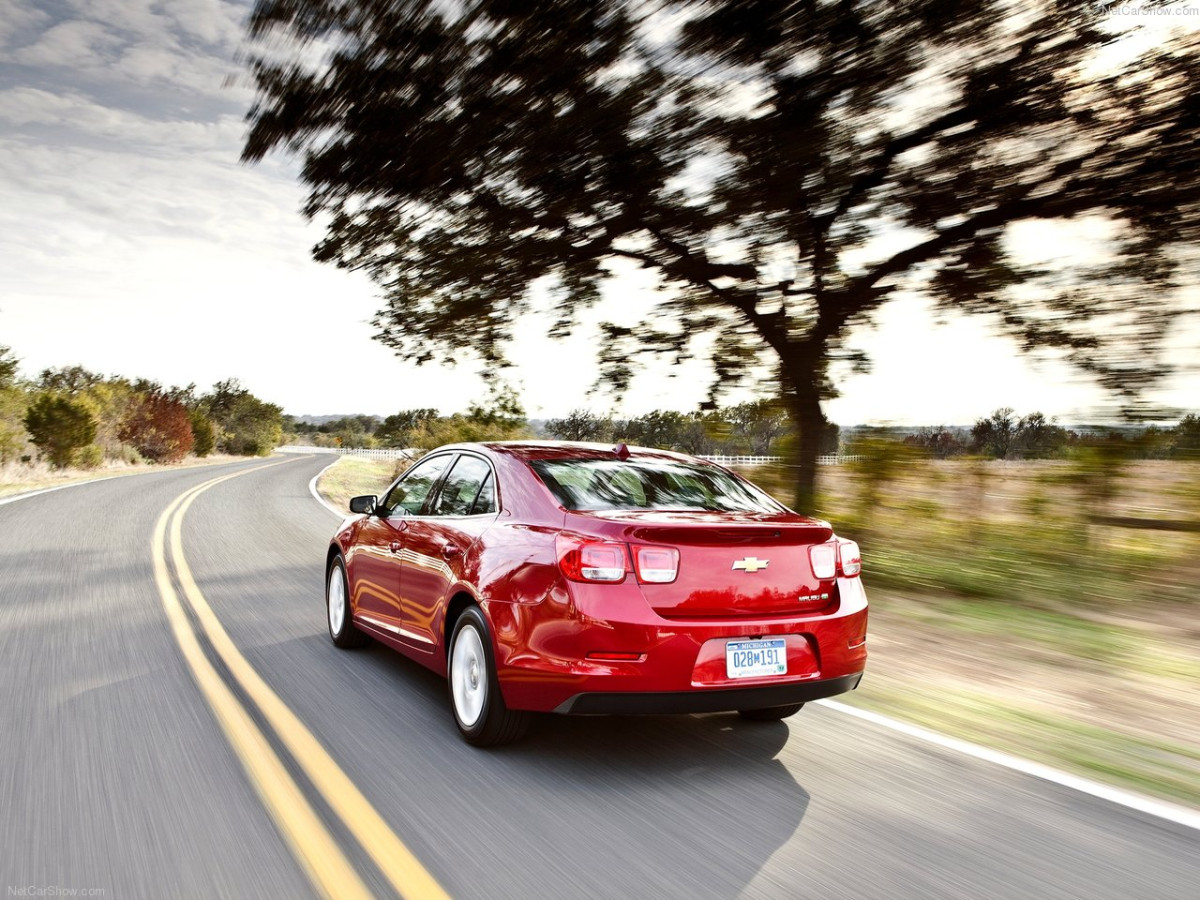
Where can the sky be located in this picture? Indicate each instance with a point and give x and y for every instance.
(134, 243)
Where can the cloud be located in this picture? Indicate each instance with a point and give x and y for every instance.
(19, 19)
(69, 44)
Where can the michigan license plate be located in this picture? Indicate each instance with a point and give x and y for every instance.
(754, 659)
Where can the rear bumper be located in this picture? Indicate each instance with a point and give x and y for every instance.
(545, 661)
(667, 702)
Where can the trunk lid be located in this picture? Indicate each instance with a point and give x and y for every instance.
(731, 565)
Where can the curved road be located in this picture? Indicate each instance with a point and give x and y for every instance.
(124, 773)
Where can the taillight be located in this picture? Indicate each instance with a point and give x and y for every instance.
(583, 560)
(849, 559)
(655, 565)
(824, 560)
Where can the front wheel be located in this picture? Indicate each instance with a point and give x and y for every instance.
(771, 713)
(479, 710)
(337, 608)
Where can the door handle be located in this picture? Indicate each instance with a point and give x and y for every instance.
(396, 546)
(450, 550)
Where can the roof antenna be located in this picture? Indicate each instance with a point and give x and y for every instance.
(622, 452)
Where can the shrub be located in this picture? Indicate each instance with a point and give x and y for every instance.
(252, 427)
(89, 457)
(158, 427)
(204, 435)
(12, 422)
(58, 427)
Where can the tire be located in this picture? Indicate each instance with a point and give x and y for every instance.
(337, 608)
(771, 713)
(479, 711)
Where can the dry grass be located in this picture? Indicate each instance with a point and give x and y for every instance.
(1001, 615)
(18, 478)
(352, 476)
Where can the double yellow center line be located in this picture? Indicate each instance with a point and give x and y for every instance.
(327, 866)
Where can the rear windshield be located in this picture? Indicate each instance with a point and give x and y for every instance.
(595, 484)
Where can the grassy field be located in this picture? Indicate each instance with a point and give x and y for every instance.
(1002, 615)
(353, 476)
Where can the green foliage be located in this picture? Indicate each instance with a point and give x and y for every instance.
(463, 153)
(396, 430)
(581, 425)
(108, 401)
(59, 426)
(1186, 443)
(204, 436)
(500, 417)
(876, 461)
(67, 379)
(13, 403)
(252, 428)
(246, 425)
(8, 367)
(89, 457)
(939, 442)
(1002, 436)
(159, 428)
(501, 409)
(754, 427)
(685, 432)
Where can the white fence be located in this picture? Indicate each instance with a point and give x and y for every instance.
(410, 453)
(831, 459)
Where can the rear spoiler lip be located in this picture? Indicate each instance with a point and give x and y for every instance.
(793, 529)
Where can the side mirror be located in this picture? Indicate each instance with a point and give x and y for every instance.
(364, 504)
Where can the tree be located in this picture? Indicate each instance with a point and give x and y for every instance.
(939, 442)
(252, 427)
(8, 367)
(12, 408)
(108, 401)
(784, 169)
(1038, 437)
(246, 425)
(158, 427)
(395, 430)
(581, 425)
(204, 437)
(994, 435)
(1187, 438)
(59, 427)
(756, 425)
(13, 402)
(68, 379)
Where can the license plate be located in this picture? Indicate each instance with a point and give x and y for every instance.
(754, 659)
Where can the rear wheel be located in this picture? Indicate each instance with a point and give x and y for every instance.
(771, 713)
(337, 608)
(479, 710)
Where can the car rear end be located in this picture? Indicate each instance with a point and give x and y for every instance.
(659, 610)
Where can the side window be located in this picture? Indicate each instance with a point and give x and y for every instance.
(412, 490)
(462, 486)
(485, 502)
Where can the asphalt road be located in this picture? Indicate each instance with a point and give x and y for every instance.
(117, 777)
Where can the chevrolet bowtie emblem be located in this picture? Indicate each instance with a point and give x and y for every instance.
(750, 564)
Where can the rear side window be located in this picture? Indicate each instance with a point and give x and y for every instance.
(596, 484)
(411, 492)
(462, 488)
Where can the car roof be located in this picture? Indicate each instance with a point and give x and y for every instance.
(535, 450)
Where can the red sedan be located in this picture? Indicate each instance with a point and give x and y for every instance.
(579, 578)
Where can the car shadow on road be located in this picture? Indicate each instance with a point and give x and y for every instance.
(583, 806)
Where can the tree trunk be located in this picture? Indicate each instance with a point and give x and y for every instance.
(808, 424)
